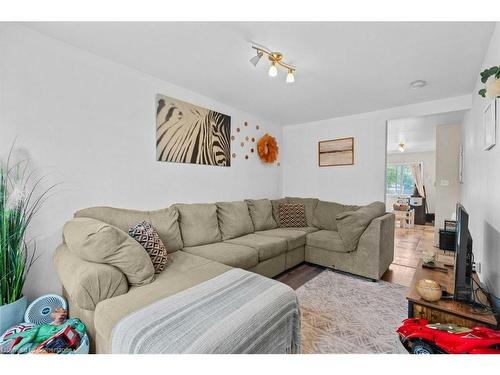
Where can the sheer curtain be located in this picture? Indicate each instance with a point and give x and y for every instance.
(416, 171)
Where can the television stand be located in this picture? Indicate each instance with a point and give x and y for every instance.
(446, 310)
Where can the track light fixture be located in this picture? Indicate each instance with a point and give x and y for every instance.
(255, 60)
(276, 58)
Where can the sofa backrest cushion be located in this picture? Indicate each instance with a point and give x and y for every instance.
(198, 223)
(95, 241)
(276, 209)
(352, 224)
(234, 219)
(261, 212)
(309, 203)
(164, 221)
(166, 224)
(325, 215)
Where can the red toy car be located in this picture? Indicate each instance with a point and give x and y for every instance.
(420, 337)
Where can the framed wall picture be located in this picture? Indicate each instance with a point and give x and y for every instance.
(489, 124)
(187, 133)
(336, 152)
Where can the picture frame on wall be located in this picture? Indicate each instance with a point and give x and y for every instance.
(336, 152)
(489, 124)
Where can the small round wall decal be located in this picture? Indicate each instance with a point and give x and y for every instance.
(246, 156)
(252, 150)
(232, 138)
(257, 127)
(253, 139)
(246, 138)
(238, 130)
(234, 155)
(246, 123)
(242, 144)
(279, 164)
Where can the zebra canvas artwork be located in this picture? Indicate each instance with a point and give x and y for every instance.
(186, 133)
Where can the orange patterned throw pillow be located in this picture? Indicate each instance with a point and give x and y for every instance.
(292, 215)
(147, 236)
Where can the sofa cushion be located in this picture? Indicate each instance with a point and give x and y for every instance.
(165, 221)
(234, 219)
(261, 212)
(95, 241)
(352, 224)
(149, 239)
(305, 229)
(121, 218)
(227, 253)
(325, 215)
(186, 271)
(198, 223)
(267, 246)
(294, 238)
(292, 215)
(310, 205)
(276, 209)
(327, 240)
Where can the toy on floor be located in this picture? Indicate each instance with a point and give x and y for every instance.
(63, 335)
(420, 337)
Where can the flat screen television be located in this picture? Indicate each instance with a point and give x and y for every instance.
(463, 257)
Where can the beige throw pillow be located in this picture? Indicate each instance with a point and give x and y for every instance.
(95, 241)
(352, 224)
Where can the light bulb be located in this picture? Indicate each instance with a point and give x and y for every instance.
(273, 71)
(289, 77)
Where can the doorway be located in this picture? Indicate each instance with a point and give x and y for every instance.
(422, 185)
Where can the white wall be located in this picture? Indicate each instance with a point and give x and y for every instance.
(448, 142)
(428, 159)
(363, 182)
(91, 123)
(481, 188)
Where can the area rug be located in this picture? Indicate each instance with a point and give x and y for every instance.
(346, 314)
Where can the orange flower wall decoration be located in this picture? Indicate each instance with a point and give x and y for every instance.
(267, 148)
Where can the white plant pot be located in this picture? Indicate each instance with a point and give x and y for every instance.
(493, 87)
(12, 314)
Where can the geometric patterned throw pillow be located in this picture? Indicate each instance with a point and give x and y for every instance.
(292, 215)
(147, 236)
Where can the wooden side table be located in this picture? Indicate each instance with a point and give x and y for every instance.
(446, 310)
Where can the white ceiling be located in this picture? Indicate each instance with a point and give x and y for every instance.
(342, 68)
(419, 133)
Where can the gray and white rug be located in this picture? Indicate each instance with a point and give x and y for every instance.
(347, 314)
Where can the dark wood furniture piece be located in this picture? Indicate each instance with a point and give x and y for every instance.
(419, 212)
(446, 310)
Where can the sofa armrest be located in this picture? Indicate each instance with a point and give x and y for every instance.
(87, 283)
(377, 242)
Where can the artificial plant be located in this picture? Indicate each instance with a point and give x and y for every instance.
(494, 71)
(21, 196)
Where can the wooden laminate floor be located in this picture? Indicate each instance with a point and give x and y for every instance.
(409, 245)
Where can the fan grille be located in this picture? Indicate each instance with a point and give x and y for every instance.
(39, 311)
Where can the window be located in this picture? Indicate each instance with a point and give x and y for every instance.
(399, 180)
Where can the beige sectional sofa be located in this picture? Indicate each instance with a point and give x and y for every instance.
(206, 240)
